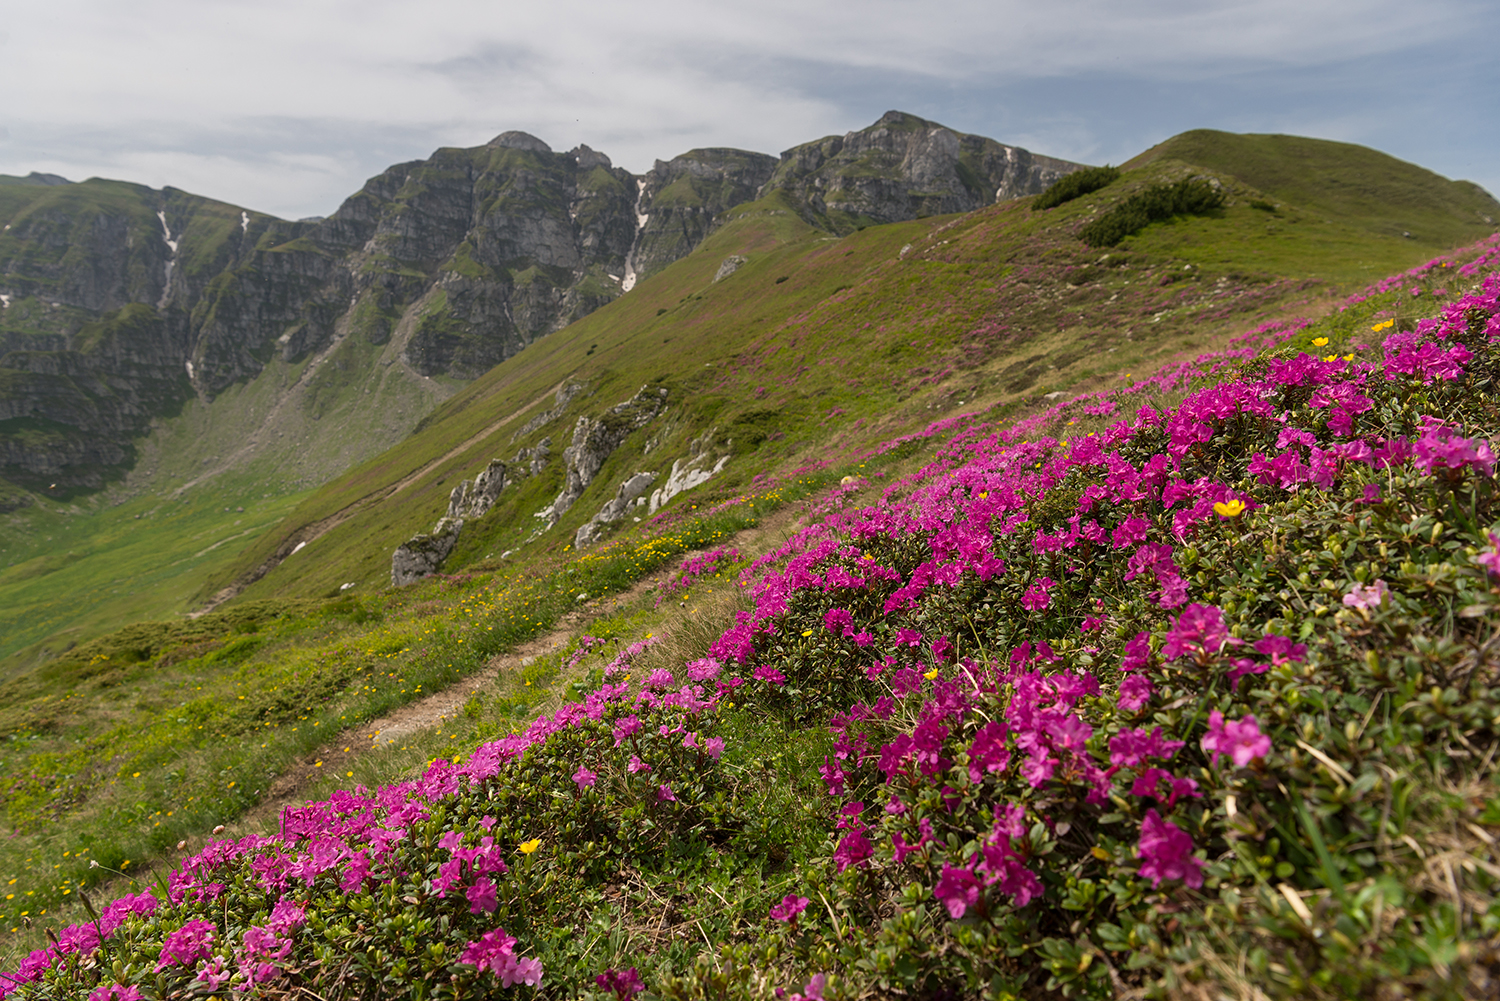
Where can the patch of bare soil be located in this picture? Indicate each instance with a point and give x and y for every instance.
(339, 754)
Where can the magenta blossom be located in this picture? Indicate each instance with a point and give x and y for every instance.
(854, 850)
(187, 945)
(1135, 691)
(791, 905)
(1491, 560)
(1199, 631)
(584, 777)
(1036, 598)
(1166, 852)
(625, 984)
(482, 897)
(1363, 597)
(1240, 739)
(958, 890)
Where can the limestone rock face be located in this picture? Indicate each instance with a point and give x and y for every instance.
(424, 554)
(594, 440)
(682, 199)
(730, 265)
(903, 167)
(630, 491)
(705, 460)
(469, 501)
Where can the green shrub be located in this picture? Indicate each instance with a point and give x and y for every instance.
(1075, 185)
(1155, 204)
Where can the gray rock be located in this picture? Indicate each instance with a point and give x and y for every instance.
(631, 491)
(594, 440)
(469, 501)
(566, 394)
(731, 264)
(903, 167)
(704, 461)
(424, 554)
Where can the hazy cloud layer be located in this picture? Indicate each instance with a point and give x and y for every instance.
(287, 107)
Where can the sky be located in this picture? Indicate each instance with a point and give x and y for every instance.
(288, 106)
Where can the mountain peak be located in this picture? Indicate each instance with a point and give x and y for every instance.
(520, 140)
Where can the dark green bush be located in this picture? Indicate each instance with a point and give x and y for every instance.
(1075, 185)
(1155, 204)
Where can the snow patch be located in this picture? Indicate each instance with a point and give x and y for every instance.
(640, 226)
(166, 235)
(190, 371)
(296, 549)
(244, 221)
(4, 301)
(166, 232)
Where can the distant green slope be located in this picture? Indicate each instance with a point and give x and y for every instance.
(818, 344)
(1377, 191)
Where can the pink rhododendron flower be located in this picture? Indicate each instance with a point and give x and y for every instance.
(1131, 748)
(482, 897)
(1135, 691)
(838, 620)
(854, 849)
(770, 675)
(1199, 631)
(1363, 597)
(703, 670)
(791, 905)
(1166, 852)
(1491, 560)
(1240, 739)
(957, 889)
(625, 984)
(495, 952)
(188, 944)
(584, 777)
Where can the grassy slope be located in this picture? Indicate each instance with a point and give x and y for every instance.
(999, 307)
(1004, 305)
(356, 656)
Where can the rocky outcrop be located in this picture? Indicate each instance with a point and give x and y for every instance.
(594, 440)
(474, 500)
(729, 266)
(705, 460)
(631, 494)
(681, 200)
(903, 167)
(566, 394)
(424, 554)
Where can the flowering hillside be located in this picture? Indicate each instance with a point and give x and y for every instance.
(1195, 682)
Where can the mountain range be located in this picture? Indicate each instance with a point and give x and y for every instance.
(122, 303)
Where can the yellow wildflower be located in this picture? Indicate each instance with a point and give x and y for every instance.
(1318, 342)
(527, 847)
(1229, 509)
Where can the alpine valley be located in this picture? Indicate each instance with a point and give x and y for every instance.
(537, 577)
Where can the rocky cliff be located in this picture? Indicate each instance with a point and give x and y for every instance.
(120, 303)
(903, 167)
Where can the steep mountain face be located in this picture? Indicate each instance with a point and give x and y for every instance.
(903, 167)
(120, 303)
(681, 199)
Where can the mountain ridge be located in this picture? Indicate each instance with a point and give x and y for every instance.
(435, 269)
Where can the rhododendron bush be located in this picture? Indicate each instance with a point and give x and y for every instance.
(1194, 682)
